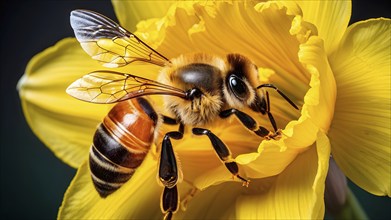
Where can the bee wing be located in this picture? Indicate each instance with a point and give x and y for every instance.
(106, 41)
(109, 87)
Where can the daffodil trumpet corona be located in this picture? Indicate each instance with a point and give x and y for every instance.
(198, 88)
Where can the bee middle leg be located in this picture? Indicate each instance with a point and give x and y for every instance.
(223, 152)
(168, 173)
(170, 201)
(251, 124)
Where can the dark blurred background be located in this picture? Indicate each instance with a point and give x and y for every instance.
(33, 180)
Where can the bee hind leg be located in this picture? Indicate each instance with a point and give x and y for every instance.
(223, 152)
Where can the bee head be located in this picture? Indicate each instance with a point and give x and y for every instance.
(240, 81)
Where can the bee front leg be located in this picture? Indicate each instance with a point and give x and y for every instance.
(223, 152)
(251, 124)
(169, 174)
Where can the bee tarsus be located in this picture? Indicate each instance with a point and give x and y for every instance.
(170, 202)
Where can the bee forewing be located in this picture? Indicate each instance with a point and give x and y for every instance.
(106, 41)
(109, 86)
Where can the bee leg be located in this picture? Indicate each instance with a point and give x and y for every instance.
(169, 121)
(168, 169)
(170, 202)
(173, 121)
(223, 152)
(251, 124)
(169, 175)
(181, 128)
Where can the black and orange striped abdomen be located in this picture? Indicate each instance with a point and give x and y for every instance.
(121, 143)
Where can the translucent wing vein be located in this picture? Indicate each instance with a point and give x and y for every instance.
(110, 87)
(106, 41)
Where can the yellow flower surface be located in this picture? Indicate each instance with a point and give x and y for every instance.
(338, 75)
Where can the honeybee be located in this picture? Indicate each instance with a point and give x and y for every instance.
(197, 89)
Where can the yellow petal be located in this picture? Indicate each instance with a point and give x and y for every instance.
(360, 133)
(320, 99)
(216, 202)
(330, 17)
(317, 113)
(129, 13)
(297, 193)
(139, 198)
(64, 124)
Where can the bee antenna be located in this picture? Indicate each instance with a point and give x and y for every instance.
(279, 92)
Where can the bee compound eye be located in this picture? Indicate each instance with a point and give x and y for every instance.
(238, 87)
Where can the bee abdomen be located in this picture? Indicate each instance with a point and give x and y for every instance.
(111, 164)
(121, 143)
(107, 176)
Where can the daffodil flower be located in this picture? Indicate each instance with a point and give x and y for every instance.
(339, 75)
